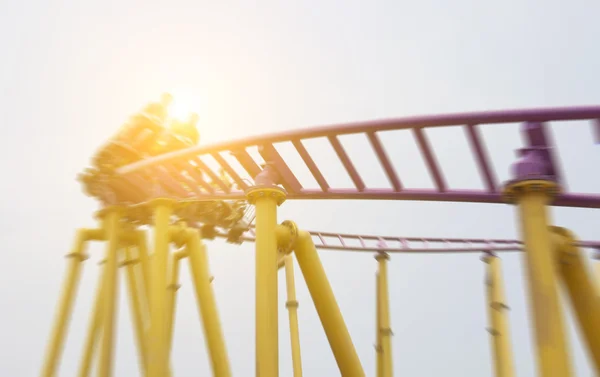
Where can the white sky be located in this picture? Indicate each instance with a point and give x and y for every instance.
(72, 72)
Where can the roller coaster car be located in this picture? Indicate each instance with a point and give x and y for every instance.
(140, 131)
(229, 216)
(216, 213)
(91, 182)
(234, 235)
(178, 136)
(208, 231)
(145, 135)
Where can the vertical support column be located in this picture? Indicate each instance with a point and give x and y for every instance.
(135, 293)
(497, 309)
(142, 250)
(65, 307)
(172, 298)
(292, 306)
(385, 331)
(266, 199)
(111, 217)
(532, 197)
(94, 328)
(207, 305)
(157, 360)
(596, 257)
(327, 307)
(581, 288)
(378, 347)
(144, 288)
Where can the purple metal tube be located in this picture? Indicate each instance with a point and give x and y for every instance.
(482, 158)
(343, 156)
(288, 179)
(232, 173)
(385, 161)
(430, 159)
(310, 163)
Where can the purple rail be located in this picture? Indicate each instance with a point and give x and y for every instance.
(535, 130)
(483, 164)
(385, 162)
(395, 244)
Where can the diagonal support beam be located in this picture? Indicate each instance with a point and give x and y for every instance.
(213, 177)
(483, 162)
(385, 161)
(247, 162)
(288, 179)
(348, 165)
(310, 163)
(230, 171)
(430, 159)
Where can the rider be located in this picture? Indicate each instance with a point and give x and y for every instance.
(136, 138)
(148, 133)
(179, 135)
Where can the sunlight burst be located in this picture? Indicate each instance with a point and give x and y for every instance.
(184, 104)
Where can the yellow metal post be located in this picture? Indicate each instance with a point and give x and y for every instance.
(532, 198)
(385, 330)
(111, 223)
(65, 307)
(142, 251)
(172, 299)
(266, 200)
(378, 347)
(144, 285)
(94, 329)
(581, 288)
(292, 306)
(498, 314)
(207, 305)
(135, 292)
(597, 267)
(327, 307)
(156, 354)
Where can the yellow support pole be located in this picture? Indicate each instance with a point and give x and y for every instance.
(378, 346)
(497, 309)
(65, 307)
(266, 200)
(142, 250)
(133, 284)
(596, 257)
(581, 288)
(144, 289)
(173, 287)
(385, 330)
(94, 329)
(327, 307)
(111, 218)
(207, 305)
(292, 306)
(157, 359)
(532, 198)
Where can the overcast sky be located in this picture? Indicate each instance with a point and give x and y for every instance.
(72, 71)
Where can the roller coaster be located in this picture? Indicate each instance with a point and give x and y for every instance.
(153, 176)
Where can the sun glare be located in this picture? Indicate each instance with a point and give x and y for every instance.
(184, 104)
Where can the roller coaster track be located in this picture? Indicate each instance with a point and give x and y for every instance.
(391, 244)
(177, 173)
(200, 188)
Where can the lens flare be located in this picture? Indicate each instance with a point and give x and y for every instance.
(183, 105)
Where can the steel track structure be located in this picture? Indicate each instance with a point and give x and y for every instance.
(162, 185)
